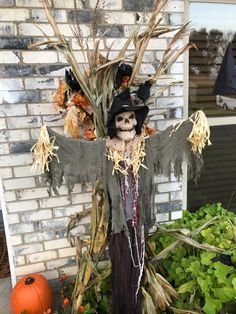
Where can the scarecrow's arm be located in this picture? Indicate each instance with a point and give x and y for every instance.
(181, 142)
(77, 160)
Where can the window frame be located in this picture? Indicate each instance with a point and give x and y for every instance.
(213, 121)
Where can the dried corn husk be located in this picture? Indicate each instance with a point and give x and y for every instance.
(71, 123)
(43, 151)
(200, 135)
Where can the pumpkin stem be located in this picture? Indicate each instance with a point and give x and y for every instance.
(29, 280)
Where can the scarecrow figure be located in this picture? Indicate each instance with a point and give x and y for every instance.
(125, 162)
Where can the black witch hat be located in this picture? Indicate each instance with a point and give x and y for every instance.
(122, 103)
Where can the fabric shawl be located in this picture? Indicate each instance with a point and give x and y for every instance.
(83, 161)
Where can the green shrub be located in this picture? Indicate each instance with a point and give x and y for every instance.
(203, 280)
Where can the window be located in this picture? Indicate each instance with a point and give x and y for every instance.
(212, 88)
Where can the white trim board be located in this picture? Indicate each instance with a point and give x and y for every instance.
(7, 232)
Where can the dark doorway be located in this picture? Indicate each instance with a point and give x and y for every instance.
(4, 262)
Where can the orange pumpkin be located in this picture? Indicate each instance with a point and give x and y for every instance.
(31, 294)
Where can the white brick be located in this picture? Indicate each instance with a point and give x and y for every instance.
(108, 5)
(29, 3)
(147, 69)
(54, 202)
(73, 210)
(10, 110)
(168, 187)
(172, 102)
(24, 171)
(14, 14)
(24, 122)
(19, 260)
(36, 216)
(157, 44)
(56, 244)
(160, 178)
(40, 257)
(10, 196)
(8, 57)
(42, 109)
(2, 124)
(5, 173)
(72, 270)
(13, 219)
(68, 4)
(7, 29)
(4, 149)
(28, 248)
(40, 16)
(22, 206)
(32, 193)
(16, 160)
(39, 56)
(13, 184)
(176, 90)
(39, 236)
(176, 19)
(80, 229)
(11, 84)
(30, 29)
(121, 18)
(175, 196)
(18, 135)
(29, 269)
(41, 83)
(177, 68)
(67, 252)
(16, 240)
(59, 212)
(59, 263)
(174, 6)
(162, 217)
(118, 44)
(176, 215)
(82, 198)
(77, 54)
(163, 124)
(162, 198)
(21, 228)
(50, 274)
(56, 224)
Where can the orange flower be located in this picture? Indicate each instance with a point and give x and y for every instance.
(80, 100)
(66, 301)
(81, 308)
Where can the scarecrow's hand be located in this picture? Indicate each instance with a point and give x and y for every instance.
(173, 146)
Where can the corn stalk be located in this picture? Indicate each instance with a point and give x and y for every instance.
(89, 251)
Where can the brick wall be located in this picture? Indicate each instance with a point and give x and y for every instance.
(28, 79)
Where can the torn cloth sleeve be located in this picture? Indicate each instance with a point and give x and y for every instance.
(80, 161)
(171, 147)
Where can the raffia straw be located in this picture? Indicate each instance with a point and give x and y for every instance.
(119, 157)
(43, 151)
(200, 135)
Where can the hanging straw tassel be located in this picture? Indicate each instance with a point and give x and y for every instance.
(43, 151)
(200, 134)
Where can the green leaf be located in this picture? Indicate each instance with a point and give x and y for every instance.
(205, 284)
(187, 287)
(234, 283)
(206, 258)
(222, 271)
(212, 306)
(225, 294)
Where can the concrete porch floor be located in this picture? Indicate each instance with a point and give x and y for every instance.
(5, 290)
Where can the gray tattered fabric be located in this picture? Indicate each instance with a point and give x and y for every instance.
(83, 161)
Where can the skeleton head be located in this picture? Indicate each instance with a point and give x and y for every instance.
(125, 124)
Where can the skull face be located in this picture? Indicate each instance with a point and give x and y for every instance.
(125, 125)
